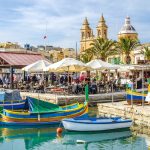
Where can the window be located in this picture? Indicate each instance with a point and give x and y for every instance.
(105, 33)
(109, 60)
(88, 34)
(83, 35)
(99, 32)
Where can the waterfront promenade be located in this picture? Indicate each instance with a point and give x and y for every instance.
(62, 99)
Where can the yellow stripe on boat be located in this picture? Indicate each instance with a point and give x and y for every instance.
(136, 93)
(28, 113)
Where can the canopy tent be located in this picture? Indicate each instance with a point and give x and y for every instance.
(98, 64)
(140, 67)
(67, 65)
(10, 95)
(38, 66)
(133, 67)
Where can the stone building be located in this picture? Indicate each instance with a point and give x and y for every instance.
(57, 55)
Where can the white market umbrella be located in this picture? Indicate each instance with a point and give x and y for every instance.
(98, 64)
(133, 67)
(67, 65)
(38, 66)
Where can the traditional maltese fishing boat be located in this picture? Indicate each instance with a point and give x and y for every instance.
(38, 112)
(134, 96)
(11, 99)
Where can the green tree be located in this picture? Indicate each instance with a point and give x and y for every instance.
(102, 48)
(87, 55)
(126, 46)
(146, 52)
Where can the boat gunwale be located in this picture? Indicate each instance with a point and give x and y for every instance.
(92, 122)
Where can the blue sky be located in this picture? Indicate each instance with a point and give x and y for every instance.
(24, 21)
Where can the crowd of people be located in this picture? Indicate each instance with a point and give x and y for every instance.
(74, 81)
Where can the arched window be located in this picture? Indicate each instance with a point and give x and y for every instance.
(105, 33)
(99, 32)
(83, 35)
(88, 34)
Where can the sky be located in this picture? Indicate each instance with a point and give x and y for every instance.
(28, 21)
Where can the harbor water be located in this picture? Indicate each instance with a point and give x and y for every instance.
(45, 138)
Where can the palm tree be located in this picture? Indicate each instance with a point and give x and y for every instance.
(126, 46)
(87, 55)
(103, 48)
(146, 52)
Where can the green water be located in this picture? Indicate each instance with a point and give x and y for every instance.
(45, 138)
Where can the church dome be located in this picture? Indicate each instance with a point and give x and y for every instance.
(127, 27)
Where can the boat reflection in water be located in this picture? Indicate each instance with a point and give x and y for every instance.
(46, 138)
(75, 138)
(29, 137)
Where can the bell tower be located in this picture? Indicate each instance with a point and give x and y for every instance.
(102, 28)
(86, 35)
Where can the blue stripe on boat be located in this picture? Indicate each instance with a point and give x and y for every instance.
(134, 97)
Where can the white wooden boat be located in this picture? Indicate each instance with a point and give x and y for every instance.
(95, 124)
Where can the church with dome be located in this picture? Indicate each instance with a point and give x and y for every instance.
(87, 36)
(127, 31)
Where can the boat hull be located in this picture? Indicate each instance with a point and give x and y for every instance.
(72, 125)
(18, 105)
(136, 97)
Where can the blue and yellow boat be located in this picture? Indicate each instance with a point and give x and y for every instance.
(11, 99)
(38, 112)
(137, 97)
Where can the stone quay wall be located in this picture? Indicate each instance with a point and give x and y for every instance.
(138, 114)
(62, 99)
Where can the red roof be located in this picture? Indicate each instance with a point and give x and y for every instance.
(19, 59)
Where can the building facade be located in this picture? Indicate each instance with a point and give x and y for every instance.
(87, 37)
(127, 31)
(57, 55)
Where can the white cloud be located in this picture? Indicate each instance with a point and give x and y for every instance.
(64, 18)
